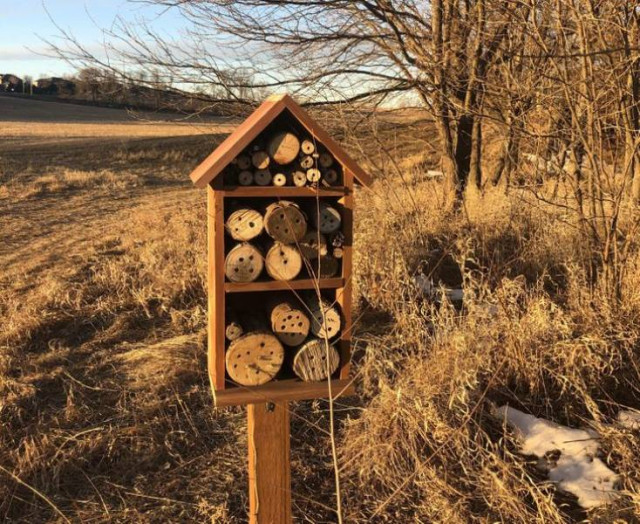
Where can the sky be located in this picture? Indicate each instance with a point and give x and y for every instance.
(25, 23)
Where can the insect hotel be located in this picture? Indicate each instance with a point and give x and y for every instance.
(280, 234)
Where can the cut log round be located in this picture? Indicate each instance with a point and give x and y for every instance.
(254, 359)
(329, 267)
(244, 224)
(299, 178)
(279, 180)
(245, 178)
(338, 252)
(330, 176)
(313, 175)
(262, 177)
(290, 324)
(313, 244)
(306, 162)
(260, 160)
(284, 148)
(285, 222)
(244, 162)
(319, 327)
(327, 220)
(233, 330)
(283, 262)
(315, 360)
(325, 160)
(243, 263)
(307, 147)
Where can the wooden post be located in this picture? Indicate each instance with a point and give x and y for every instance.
(269, 465)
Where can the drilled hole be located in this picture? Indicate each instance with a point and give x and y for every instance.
(261, 344)
(251, 224)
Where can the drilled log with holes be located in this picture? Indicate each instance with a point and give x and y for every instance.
(315, 360)
(325, 160)
(330, 176)
(244, 224)
(243, 162)
(325, 317)
(313, 244)
(243, 263)
(326, 219)
(313, 175)
(307, 147)
(279, 180)
(245, 178)
(254, 358)
(283, 261)
(289, 323)
(306, 162)
(285, 222)
(284, 148)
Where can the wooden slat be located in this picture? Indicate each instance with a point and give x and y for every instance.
(283, 285)
(283, 192)
(269, 463)
(215, 276)
(282, 390)
(343, 294)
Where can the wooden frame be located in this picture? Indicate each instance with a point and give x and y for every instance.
(227, 393)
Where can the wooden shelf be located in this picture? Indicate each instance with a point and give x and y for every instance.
(280, 390)
(283, 285)
(274, 191)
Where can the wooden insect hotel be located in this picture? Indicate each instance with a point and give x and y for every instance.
(280, 230)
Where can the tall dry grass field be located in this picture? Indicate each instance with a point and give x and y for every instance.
(105, 408)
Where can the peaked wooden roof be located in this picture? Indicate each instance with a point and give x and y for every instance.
(246, 132)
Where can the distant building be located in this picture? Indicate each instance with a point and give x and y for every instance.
(11, 84)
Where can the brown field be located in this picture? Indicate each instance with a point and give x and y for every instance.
(105, 407)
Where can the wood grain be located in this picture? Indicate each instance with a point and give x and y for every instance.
(269, 463)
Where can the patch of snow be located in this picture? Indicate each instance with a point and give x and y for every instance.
(629, 419)
(577, 470)
(430, 290)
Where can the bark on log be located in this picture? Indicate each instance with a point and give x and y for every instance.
(307, 147)
(254, 359)
(283, 262)
(319, 327)
(299, 178)
(243, 263)
(315, 360)
(327, 219)
(325, 160)
(279, 180)
(289, 323)
(262, 177)
(313, 175)
(313, 244)
(260, 160)
(243, 162)
(284, 222)
(244, 224)
(284, 148)
(245, 178)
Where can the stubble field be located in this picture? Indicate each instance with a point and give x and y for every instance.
(105, 407)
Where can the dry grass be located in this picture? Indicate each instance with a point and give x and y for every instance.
(105, 407)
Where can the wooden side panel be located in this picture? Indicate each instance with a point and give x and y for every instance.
(343, 295)
(215, 247)
(269, 464)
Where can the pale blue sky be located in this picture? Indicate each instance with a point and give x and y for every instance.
(24, 22)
